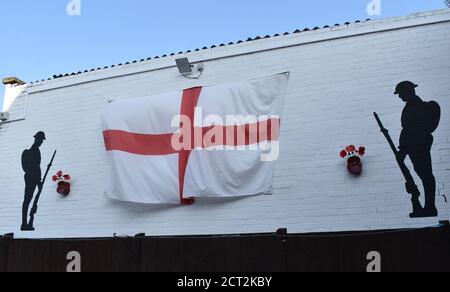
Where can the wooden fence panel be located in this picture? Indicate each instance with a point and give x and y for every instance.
(424, 250)
(227, 254)
(111, 255)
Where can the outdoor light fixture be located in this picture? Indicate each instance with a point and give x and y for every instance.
(186, 68)
(4, 116)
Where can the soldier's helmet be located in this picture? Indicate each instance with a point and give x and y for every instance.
(405, 86)
(40, 136)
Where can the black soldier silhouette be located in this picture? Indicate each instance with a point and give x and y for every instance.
(31, 164)
(419, 121)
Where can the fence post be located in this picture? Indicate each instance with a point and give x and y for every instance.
(282, 241)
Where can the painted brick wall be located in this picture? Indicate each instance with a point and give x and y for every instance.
(339, 76)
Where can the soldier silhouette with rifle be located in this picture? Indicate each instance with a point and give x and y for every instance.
(31, 164)
(420, 120)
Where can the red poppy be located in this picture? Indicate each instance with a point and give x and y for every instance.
(351, 148)
(343, 153)
(67, 177)
(362, 150)
(55, 178)
(59, 173)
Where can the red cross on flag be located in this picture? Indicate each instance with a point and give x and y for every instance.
(216, 141)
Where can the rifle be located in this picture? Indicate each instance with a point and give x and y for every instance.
(38, 195)
(411, 187)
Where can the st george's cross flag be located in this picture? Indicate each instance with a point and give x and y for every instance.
(212, 141)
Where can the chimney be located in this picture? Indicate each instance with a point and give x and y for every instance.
(12, 81)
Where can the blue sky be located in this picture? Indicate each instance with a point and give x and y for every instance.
(39, 39)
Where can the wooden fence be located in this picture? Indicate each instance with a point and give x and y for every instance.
(422, 250)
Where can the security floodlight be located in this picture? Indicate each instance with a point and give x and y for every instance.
(184, 66)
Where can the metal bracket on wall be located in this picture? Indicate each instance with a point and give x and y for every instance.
(4, 116)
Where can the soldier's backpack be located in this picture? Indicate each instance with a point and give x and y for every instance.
(434, 116)
(26, 163)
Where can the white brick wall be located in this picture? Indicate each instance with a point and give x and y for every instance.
(339, 77)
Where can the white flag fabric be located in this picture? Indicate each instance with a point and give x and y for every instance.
(218, 141)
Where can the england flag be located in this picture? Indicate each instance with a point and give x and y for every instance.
(216, 141)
